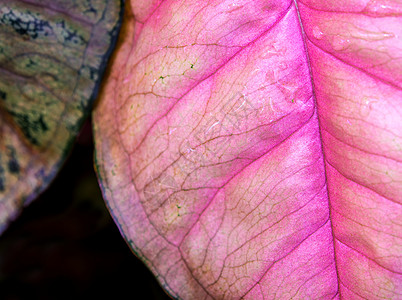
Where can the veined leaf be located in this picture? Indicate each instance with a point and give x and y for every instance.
(252, 149)
(52, 57)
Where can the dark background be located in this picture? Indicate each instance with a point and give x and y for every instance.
(65, 244)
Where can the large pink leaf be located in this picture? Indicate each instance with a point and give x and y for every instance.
(252, 149)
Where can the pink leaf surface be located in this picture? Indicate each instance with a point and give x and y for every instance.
(252, 149)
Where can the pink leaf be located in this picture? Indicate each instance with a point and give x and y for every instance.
(252, 149)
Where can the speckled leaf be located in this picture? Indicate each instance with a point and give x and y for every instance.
(251, 149)
(52, 57)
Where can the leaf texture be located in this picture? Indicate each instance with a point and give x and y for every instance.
(52, 57)
(252, 149)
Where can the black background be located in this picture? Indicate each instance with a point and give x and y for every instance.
(65, 244)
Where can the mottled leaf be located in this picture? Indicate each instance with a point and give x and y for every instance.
(52, 57)
(252, 149)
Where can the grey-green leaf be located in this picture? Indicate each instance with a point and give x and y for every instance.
(52, 57)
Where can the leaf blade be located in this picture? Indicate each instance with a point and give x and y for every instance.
(51, 62)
